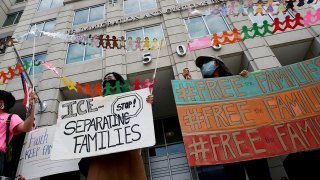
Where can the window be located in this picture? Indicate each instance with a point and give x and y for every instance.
(135, 38)
(13, 18)
(19, 1)
(79, 52)
(47, 26)
(134, 6)
(27, 61)
(205, 25)
(47, 4)
(168, 138)
(88, 15)
(268, 16)
(183, 1)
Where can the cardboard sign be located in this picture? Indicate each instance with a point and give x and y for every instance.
(103, 125)
(36, 155)
(228, 119)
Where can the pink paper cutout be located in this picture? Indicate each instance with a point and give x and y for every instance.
(50, 66)
(309, 16)
(199, 43)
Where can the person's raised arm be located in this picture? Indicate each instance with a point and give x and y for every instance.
(27, 125)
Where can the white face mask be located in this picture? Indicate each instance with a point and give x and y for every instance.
(208, 69)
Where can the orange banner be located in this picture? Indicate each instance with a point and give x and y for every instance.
(263, 110)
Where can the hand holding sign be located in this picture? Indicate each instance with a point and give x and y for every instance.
(103, 125)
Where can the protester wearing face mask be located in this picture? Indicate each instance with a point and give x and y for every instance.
(117, 166)
(213, 67)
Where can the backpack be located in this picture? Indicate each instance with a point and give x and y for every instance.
(8, 146)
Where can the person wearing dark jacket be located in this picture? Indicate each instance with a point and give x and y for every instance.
(126, 165)
(213, 67)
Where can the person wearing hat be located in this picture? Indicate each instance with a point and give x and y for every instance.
(126, 165)
(17, 125)
(213, 67)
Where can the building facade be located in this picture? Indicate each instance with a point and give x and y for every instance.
(173, 20)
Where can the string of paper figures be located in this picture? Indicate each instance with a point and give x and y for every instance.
(97, 89)
(104, 41)
(255, 30)
(245, 8)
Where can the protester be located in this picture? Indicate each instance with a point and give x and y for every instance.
(118, 166)
(213, 67)
(17, 125)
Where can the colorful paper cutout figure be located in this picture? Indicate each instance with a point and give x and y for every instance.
(69, 83)
(256, 30)
(281, 8)
(250, 6)
(136, 85)
(259, 9)
(122, 43)
(226, 37)
(154, 44)
(199, 43)
(300, 3)
(216, 10)
(101, 42)
(146, 44)
(86, 89)
(232, 8)
(297, 21)
(241, 9)
(108, 42)
(50, 66)
(12, 71)
(130, 44)
(287, 23)
(277, 25)
(138, 43)
(270, 7)
(10, 41)
(310, 19)
(118, 88)
(114, 42)
(224, 10)
(290, 5)
(89, 41)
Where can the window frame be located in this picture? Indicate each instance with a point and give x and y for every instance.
(23, 1)
(83, 54)
(143, 27)
(165, 143)
(36, 54)
(139, 8)
(15, 19)
(49, 20)
(182, 2)
(88, 18)
(206, 25)
(38, 9)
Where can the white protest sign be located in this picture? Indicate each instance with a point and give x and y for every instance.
(103, 125)
(36, 155)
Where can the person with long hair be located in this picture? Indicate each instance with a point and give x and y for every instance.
(16, 124)
(126, 165)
